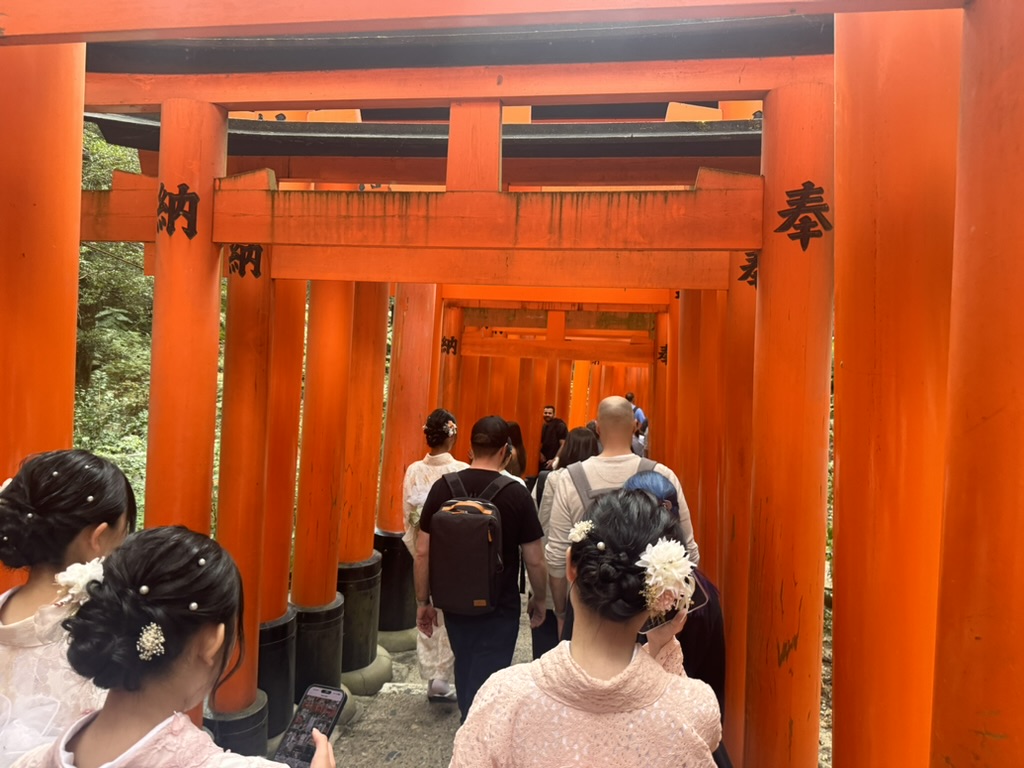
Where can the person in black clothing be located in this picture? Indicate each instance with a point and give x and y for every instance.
(484, 643)
(552, 435)
(703, 636)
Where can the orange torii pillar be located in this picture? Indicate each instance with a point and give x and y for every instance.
(563, 387)
(525, 414)
(284, 402)
(734, 522)
(315, 596)
(451, 357)
(510, 397)
(465, 407)
(186, 317)
(434, 379)
(42, 90)
(686, 427)
(408, 406)
(792, 354)
(656, 433)
(669, 452)
(897, 101)
(978, 714)
(710, 439)
(496, 386)
(359, 564)
(240, 710)
(533, 418)
(580, 391)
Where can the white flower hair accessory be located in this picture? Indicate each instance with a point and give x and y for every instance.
(450, 429)
(580, 531)
(669, 581)
(151, 642)
(76, 579)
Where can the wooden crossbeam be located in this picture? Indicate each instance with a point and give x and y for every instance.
(481, 295)
(723, 212)
(62, 21)
(636, 353)
(595, 83)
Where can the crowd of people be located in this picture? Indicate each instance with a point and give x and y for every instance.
(116, 634)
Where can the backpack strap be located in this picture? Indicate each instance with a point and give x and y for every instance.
(495, 487)
(455, 485)
(645, 465)
(579, 479)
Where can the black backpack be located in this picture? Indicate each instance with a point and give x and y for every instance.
(587, 494)
(465, 550)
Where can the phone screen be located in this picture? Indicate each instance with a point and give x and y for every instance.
(320, 708)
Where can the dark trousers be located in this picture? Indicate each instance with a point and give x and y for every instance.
(482, 645)
(545, 637)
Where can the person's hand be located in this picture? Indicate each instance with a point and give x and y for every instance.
(426, 619)
(324, 755)
(548, 463)
(660, 636)
(538, 611)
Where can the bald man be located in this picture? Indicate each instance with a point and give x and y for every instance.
(609, 470)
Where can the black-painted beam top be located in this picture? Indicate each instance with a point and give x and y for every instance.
(654, 41)
(733, 138)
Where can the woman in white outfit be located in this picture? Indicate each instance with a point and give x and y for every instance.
(437, 663)
(60, 512)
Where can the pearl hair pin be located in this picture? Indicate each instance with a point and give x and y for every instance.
(193, 606)
(89, 499)
(143, 590)
(202, 561)
(55, 473)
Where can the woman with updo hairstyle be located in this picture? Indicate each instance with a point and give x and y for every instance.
(61, 512)
(157, 631)
(580, 445)
(436, 660)
(601, 699)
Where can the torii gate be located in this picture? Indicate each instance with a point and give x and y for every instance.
(954, 457)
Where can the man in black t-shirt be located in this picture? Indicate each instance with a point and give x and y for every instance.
(485, 643)
(552, 435)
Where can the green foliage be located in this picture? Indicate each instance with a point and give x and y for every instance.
(115, 317)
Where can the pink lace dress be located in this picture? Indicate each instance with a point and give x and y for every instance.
(552, 713)
(40, 695)
(175, 743)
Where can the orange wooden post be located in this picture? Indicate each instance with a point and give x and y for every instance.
(577, 416)
(670, 452)
(657, 434)
(688, 416)
(711, 443)
(359, 565)
(434, 378)
(734, 529)
(510, 395)
(363, 423)
(792, 354)
(465, 408)
(451, 357)
(533, 419)
(978, 714)
(618, 382)
(321, 470)
(496, 386)
(243, 456)
(485, 370)
(563, 386)
(412, 344)
(42, 89)
(474, 147)
(186, 318)
(525, 413)
(897, 100)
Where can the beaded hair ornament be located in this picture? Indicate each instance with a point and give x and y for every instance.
(449, 428)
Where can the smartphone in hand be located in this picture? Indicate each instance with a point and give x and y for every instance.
(319, 708)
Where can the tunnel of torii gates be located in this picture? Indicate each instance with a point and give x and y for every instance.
(888, 169)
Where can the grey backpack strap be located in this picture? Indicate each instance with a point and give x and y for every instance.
(579, 479)
(645, 465)
(455, 485)
(495, 487)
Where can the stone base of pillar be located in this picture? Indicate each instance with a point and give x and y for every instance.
(368, 680)
(359, 584)
(397, 642)
(318, 639)
(245, 732)
(397, 594)
(276, 674)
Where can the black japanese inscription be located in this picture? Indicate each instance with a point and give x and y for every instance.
(241, 256)
(663, 353)
(449, 345)
(172, 206)
(805, 218)
(748, 271)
